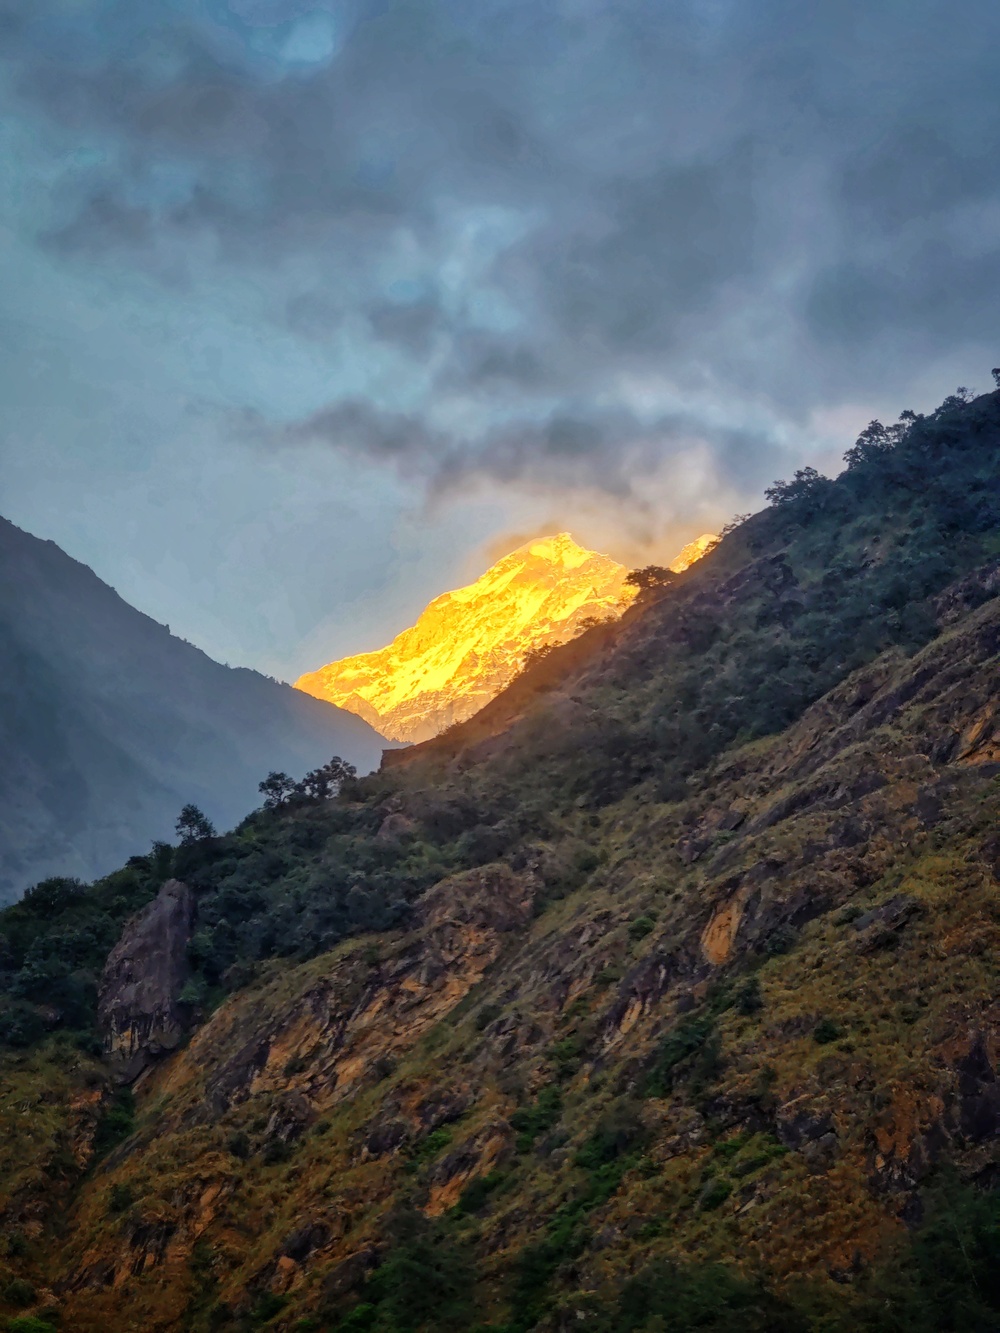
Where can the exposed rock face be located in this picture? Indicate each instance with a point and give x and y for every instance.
(138, 1007)
(469, 644)
(360, 1015)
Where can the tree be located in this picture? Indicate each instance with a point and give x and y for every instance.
(322, 783)
(650, 578)
(193, 826)
(806, 484)
(533, 656)
(995, 372)
(276, 789)
(735, 522)
(873, 441)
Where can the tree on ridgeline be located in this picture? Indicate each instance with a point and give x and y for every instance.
(533, 656)
(805, 484)
(193, 825)
(277, 789)
(322, 783)
(650, 578)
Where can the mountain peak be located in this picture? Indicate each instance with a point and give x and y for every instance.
(467, 645)
(560, 549)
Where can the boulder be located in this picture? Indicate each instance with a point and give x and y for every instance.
(139, 1010)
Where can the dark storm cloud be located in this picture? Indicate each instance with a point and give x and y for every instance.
(756, 200)
(598, 448)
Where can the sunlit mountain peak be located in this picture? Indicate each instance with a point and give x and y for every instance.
(468, 644)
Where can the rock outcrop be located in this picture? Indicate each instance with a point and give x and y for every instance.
(139, 1006)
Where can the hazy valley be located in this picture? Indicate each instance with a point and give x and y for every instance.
(109, 724)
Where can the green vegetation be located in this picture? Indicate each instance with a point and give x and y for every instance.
(478, 1192)
(293, 880)
(690, 1050)
(116, 1123)
(614, 1148)
(426, 1281)
(945, 1281)
(825, 1031)
(539, 1118)
(427, 1148)
(55, 942)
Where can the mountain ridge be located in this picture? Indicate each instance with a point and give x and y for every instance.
(110, 723)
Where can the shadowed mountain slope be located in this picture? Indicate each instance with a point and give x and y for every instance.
(108, 723)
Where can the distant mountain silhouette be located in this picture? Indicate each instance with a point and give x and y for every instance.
(109, 723)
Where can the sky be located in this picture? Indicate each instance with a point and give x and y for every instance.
(310, 310)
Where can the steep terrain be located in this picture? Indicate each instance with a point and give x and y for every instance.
(108, 723)
(467, 645)
(661, 994)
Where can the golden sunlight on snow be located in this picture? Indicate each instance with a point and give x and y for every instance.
(469, 644)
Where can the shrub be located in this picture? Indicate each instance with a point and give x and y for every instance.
(780, 941)
(425, 1282)
(427, 1148)
(567, 1055)
(825, 1031)
(478, 1191)
(486, 1015)
(267, 1307)
(709, 1298)
(748, 999)
(120, 1199)
(641, 927)
(715, 1194)
(116, 1123)
(239, 1145)
(276, 1151)
(530, 1121)
(19, 1291)
(15, 1244)
(692, 1034)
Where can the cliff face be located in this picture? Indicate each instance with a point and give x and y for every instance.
(139, 1003)
(468, 645)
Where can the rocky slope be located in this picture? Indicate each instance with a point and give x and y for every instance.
(467, 645)
(844, 875)
(675, 1005)
(109, 724)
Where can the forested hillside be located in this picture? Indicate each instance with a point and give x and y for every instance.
(659, 995)
(109, 724)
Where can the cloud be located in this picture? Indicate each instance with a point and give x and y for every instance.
(570, 450)
(509, 211)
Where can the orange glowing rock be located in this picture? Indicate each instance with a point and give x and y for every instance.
(467, 645)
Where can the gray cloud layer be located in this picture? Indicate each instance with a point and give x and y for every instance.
(583, 233)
